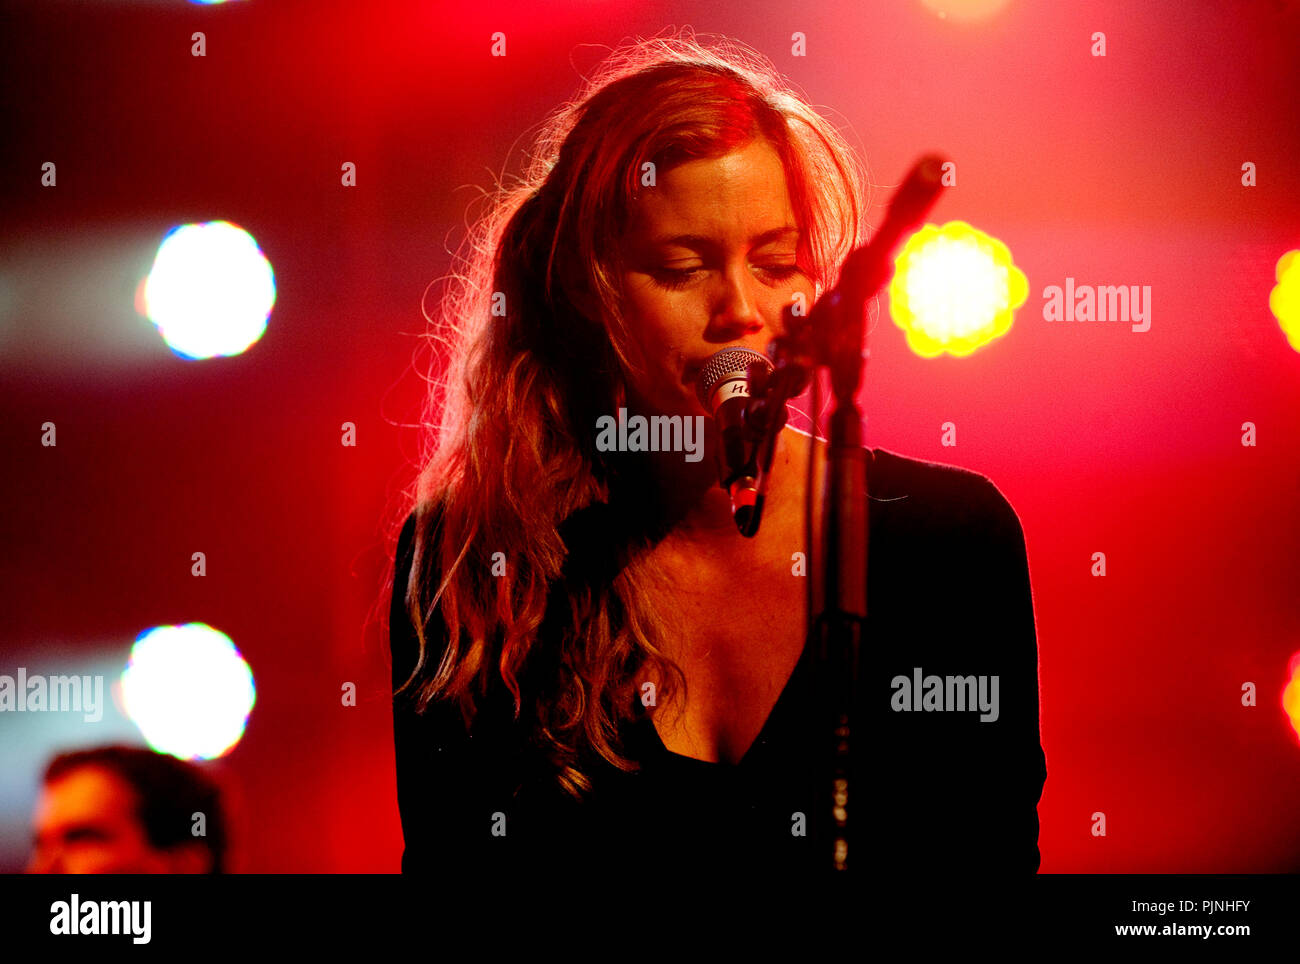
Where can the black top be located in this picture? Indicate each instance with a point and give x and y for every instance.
(948, 596)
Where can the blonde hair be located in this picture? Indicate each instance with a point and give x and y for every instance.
(509, 452)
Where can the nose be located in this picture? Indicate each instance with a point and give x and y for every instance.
(736, 312)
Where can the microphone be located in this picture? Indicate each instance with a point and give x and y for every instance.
(723, 387)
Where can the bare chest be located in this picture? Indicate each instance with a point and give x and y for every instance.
(738, 636)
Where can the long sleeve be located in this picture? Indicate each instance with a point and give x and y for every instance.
(949, 596)
(1019, 772)
(449, 783)
(951, 605)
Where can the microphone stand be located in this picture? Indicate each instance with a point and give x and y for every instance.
(833, 336)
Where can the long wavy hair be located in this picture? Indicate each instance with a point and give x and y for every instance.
(509, 452)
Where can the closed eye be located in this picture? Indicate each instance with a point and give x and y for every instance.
(677, 277)
(682, 277)
(85, 834)
(782, 270)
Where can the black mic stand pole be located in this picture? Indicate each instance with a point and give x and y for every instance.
(833, 336)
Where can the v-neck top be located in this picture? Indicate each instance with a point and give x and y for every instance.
(947, 762)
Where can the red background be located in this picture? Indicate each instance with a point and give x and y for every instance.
(1117, 170)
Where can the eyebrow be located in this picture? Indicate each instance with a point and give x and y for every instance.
(699, 240)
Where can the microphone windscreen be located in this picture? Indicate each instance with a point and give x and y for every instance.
(731, 365)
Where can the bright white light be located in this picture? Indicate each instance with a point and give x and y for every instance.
(210, 290)
(188, 690)
(954, 289)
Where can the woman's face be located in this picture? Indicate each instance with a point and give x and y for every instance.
(709, 263)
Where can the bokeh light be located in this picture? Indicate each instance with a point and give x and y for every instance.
(954, 289)
(1291, 694)
(964, 10)
(188, 690)
(210, 290)
(1284, 299)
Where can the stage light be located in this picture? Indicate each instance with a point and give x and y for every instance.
(1284, 299)
(954, 289)
(964, 10)
(188, 690)
(210, 290)
(1291, 694)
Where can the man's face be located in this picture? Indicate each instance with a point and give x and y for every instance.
(86, 824)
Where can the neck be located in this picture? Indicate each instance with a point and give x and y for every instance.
(685, 502)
